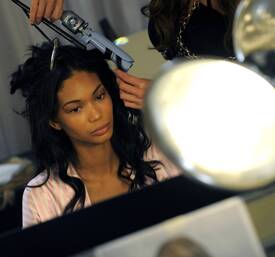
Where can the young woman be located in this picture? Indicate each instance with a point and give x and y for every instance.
(87, 145)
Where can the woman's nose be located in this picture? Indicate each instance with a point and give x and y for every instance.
(94, 113)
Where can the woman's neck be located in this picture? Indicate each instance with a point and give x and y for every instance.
(96, 161)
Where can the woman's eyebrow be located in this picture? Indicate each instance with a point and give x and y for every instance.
(77, 101)
(70, 102)
(99, 85)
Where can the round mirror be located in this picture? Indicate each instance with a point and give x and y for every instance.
(216, 120)
(254, 25)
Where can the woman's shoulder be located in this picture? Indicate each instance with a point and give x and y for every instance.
(44, 179)
(35, 194)
(45, 183)
(39, 179)
(46, 196)
(39, 185)
(42, 198)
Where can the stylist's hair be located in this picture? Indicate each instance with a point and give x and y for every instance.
(165, 14)
(229, 7)
(52, 149)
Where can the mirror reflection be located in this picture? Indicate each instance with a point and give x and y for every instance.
(17, 159)
(72, 127)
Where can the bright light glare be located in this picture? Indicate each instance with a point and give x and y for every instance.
(219, 119)
(121, 41)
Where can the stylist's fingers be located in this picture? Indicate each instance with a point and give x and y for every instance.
(49, 9)
(33, 10)
(132, 84)
(130, 79)
(130, 98)
(130, 88)
(57, 13)
(40, 11)
(132, 105)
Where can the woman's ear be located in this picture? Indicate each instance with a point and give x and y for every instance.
(55, 125)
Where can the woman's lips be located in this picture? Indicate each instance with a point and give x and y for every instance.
(101, 131)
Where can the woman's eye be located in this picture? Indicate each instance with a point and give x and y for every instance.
(100, 96)
(78, 109)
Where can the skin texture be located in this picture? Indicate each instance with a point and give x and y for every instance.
(84, 107)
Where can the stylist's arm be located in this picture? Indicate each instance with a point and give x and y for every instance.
(132, 89)
(49, 9)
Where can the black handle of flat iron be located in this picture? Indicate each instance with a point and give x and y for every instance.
(52, 26)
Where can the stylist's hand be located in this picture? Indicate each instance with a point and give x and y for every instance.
(132, 89)
(49, 9)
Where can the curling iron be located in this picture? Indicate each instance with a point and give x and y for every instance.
(91, 39)
(87, 38)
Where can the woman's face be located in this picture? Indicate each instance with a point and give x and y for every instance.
(85, 111)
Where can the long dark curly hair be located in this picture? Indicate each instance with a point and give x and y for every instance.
(53, 149)
(165, 14)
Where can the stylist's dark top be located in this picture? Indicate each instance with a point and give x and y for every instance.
(204, 34)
